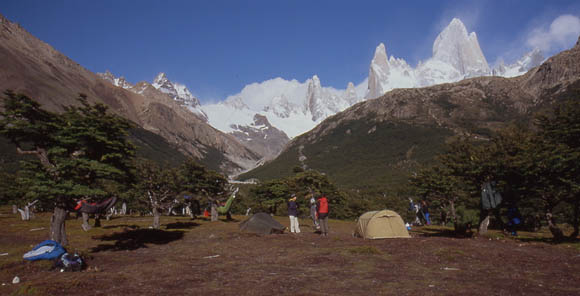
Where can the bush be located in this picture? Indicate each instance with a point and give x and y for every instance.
(465, 216)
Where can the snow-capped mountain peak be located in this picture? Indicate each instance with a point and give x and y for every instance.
(160, 80)
(379, 73)
(177, 91)
(236, 103)
(528, 61)
(350, 94)
(380, 57)
(456, 47)
(456, 55)
(313, 98)
(116, 81)
(388, 73)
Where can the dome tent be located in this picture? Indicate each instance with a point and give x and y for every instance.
(262, 223)
(380, 224)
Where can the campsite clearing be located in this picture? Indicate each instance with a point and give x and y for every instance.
(193, 257)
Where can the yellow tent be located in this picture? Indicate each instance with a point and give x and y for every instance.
(380, 224)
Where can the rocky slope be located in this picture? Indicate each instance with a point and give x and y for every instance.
(35, 68)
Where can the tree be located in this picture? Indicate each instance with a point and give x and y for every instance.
(76, 152)
(559, 135)
(197, 180)
(465, 162)
(157, 187)
(312, 181)
(438, 185)
(276, 192)
(272, 194)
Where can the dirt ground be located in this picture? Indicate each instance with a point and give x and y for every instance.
(195, 257)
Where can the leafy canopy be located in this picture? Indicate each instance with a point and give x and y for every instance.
(77, 152)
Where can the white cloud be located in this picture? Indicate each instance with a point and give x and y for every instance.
(561, 34)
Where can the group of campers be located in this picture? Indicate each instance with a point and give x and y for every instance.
(491, 204)
(421, 211)
(319, 210)
(370, 225)
(367, 224)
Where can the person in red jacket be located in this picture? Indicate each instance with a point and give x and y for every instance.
(323, 210)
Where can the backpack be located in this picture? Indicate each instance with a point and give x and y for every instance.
(490, 198)
(323, 205)
(69, 262)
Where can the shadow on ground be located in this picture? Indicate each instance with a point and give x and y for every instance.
(133, 226)
(229, 220)
(135, 239)
(547, 240)
(430, 231)
(182, 225)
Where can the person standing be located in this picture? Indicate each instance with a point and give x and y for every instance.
(514, 218)
(323, 210)
(293, 214)
(425, 210)
(314, 212)
(415, 208)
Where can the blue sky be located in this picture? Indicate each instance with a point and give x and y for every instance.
(217, 47)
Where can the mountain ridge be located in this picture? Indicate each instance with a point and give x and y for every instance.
(407, 127)
(296, 107)
(35, 68)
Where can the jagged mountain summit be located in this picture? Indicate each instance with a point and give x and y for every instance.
(285, 109)
(456, 47)
(116, 81)
(386, 74)
(177, 91)
(456, 56)
(291, 106)
(520, 67)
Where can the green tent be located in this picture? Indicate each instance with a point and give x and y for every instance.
(380, 224)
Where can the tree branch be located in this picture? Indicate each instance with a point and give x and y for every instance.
(20, 151)
(42, 156)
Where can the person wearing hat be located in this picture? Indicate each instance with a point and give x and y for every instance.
(293, 214)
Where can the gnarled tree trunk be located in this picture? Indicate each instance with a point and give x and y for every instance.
(26, 214)
(576, 220)
(484, 221)
(554, 229)
(85, 226)
(57, 226)
(156, 217)
(97, 220)
(214, 212)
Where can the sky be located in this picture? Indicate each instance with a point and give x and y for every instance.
(217, 47)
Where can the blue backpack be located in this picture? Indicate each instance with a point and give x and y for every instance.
(46, 250)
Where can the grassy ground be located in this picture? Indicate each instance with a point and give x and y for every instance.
(191, 257)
